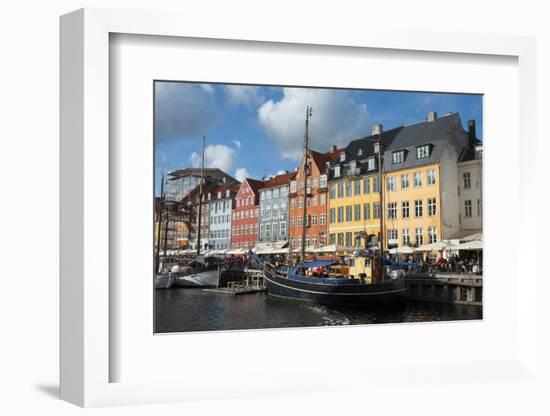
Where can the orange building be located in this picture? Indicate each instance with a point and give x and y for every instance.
(316, 187)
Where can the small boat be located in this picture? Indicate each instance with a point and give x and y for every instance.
(329, 287)
(201, 272)
(164, 281)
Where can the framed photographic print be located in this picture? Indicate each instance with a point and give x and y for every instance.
(272, 214)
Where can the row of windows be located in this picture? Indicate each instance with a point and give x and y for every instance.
(220, 219)
(273, 230)
(360, 212)
(356, 187)
(314, 182)
(312, 240)
(241, 202)
(275, 193)
(418, 180)
(355, 212)
(249, 213)
(350, 239)
(431, 204)
(422, 152)
(245, 229)
(311, 202)
(276, 211)
(221, 206)
(311, 220)
(219, 233)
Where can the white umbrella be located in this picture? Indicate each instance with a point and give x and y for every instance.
(438, 246)
(402, 250)
(471, 245)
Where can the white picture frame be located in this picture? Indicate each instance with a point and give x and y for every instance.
(86, 355)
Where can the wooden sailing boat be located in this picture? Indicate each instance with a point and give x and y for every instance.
(320, 280)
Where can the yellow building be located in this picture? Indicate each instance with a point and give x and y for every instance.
(421, 200)
(412, 201)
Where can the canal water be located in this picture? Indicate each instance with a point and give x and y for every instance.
(183, 310)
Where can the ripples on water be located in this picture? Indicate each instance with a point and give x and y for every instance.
(182, 310)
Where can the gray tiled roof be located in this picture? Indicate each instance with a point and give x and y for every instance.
(445, 134)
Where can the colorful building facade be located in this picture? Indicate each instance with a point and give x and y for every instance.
(422, 166)
(311, 179)
(354, 192)
(245, 215)
(274, 210)
(221, 205)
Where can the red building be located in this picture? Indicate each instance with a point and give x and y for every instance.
(245, 217)
(317, 200)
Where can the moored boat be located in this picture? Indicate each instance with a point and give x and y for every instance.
(329, 287)
(164, 281)
(201, 278)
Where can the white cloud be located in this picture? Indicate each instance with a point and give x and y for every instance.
(280, 172)
(241, 174)
(336, 119)
(243, 94)
(215, 156)
(181, 110)
(237, 143)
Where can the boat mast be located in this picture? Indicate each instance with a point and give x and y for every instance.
(381, 190)
(200, 199)
(305, 174)
(160, 208)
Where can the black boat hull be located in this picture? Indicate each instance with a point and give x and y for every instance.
(379, 294)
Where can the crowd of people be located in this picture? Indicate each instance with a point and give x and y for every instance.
(468, 263)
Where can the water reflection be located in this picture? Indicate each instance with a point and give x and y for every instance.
(181, 310)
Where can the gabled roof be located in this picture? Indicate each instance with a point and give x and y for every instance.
(254, 184)
(232, 187)
(363, 148)
(278, 180)
(321, 159)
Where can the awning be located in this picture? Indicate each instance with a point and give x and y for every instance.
(438, 246)
(334, 248)
(402, 250)
(467, 235)
(269, 248)
(471, 245)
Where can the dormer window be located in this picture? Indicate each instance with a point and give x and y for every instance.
(219, 195)
(423, 152)
(360, 152)
(337, 171)
(371, 163)
(343, 157)
(227, 193)
(398, 157)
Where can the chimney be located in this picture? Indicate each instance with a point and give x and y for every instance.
(377, 129)
(333, 148)
(471, 131)
(431, 116)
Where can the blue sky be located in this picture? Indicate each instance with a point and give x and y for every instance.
(257, 131)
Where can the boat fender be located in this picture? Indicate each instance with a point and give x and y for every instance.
(396, 274)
